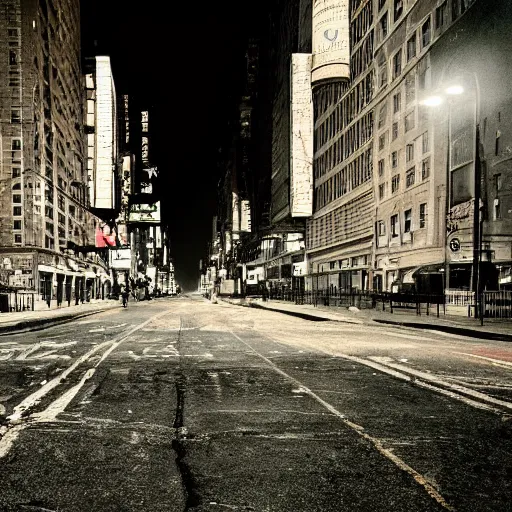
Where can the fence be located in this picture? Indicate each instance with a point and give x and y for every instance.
(497, 304)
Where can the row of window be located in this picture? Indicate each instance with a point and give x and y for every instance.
(394, 222)
(356, 173)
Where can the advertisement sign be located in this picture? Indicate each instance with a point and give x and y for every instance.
(331, 36)
(245, 216)
(301, 126)
(149, 213)
(120, 259)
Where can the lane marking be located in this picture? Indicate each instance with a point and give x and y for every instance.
(431, 490)
(9, 433)
(499, 362)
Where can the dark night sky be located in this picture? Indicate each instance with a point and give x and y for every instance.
(188, 61)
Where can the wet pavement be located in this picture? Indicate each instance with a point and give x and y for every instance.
(180, 404)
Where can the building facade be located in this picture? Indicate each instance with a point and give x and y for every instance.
(47, 236)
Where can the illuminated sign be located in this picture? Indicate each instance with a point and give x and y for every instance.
(331, 51)
(120, 259)
(149, 213)
(301, 126)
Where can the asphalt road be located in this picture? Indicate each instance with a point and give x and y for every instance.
(183, 405)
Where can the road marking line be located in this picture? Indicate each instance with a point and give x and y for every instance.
(495, 361)
(431, 490)
(10, 433)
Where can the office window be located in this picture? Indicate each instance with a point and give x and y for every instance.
(409, 152)
(16, 186)
(410, 88)
(383, 115)
(399, 9)
(410, 121)
(394, 159)
(383, 75)
(425, 144)
(423, 215)
(440, 15)
(16, 145)
(13, 57)
(16, 210)
(395, 131)
(16, 172)
(380, 166)
(16, 198)
(411, 47)
(397, 64)
(383, 26)
(397, 101)
(16, 224)
(382, 190)
(395, 183)
(381, 228)
(407, 221)
(425, 33)
(15, 115)
(13, 32)
(425, 168)
(410, 176)
(17, 239)
(394, 226)
(497, 183)
(382, 3)
(382, 140)
(497, 209)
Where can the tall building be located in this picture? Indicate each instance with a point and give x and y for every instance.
(47, 234)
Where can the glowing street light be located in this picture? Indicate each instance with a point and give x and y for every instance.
(432, 101)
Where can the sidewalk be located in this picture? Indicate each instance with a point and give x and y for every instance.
(14, 323)
(499, 330)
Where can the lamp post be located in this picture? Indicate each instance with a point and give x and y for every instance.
(460, 154)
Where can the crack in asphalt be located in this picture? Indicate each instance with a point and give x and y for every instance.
(192, 498)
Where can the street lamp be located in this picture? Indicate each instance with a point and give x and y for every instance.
(462, 154)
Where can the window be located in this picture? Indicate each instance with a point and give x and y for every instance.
(497, 183)
(16, 172)
(410, 88)
(15, 115)
(399, 8)
(12, 32)
(382, 140)
(16, 198)
(394, 226)
(397, 100)
(407, 221)
(394, 159)
(425, 33)
(16, 186)
(497, 150)
(455, 9)
(425, 168)
(17, 239)
(17, 224)
(383, 25)
(397, 63)
(425, 144)
(382, 190)
(16, 145)
(381, 228)
(383, 75)
(440, 15)
(411, 47)
(13, 57)
(409, 152)
(382, 115)
(382, 3)
(395, 131)
(395, 183)
(410, 121)
(497, 209)
(410, 176)
(16, 210)
(380, 166)
(423, 215)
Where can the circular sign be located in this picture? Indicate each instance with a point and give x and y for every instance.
(454, 244)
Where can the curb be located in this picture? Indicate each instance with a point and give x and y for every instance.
(461, 331)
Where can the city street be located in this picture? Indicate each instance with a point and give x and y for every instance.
(179, 404)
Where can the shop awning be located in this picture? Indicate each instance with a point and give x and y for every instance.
(437, 268)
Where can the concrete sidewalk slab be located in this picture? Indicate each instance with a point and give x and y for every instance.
(498, 330)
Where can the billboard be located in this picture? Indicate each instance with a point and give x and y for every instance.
(149, 213)
(331, 37)
(120, 259)
(301, 137)
(245, 216)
